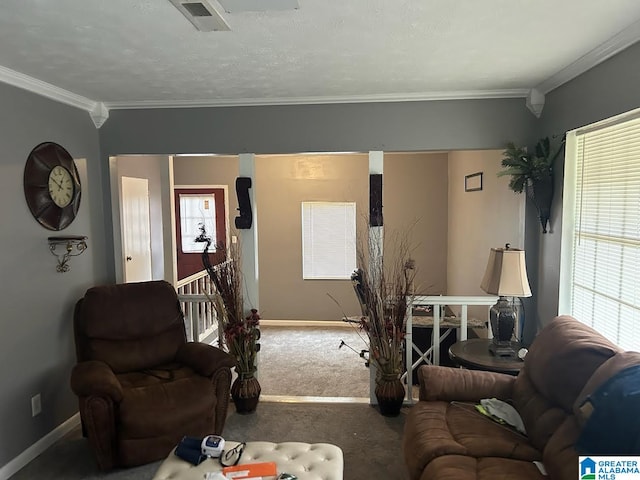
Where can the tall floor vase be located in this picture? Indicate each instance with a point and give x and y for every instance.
(389, 392)
(245, 393)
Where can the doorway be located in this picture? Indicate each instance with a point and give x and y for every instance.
(136, 229)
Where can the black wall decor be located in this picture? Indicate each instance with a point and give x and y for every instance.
(244, 220)
(375, 200)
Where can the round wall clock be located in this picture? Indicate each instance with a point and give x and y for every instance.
(52, 186)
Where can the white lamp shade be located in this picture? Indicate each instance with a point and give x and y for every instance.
(506, 274)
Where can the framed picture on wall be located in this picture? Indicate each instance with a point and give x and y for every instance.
(473, 182)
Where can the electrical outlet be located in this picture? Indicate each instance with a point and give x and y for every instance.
(36, 405)
(234, 239)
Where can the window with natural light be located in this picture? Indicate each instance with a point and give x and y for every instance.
(197, 211)
(328, 240)
(600, 258)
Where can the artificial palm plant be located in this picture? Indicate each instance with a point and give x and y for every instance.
(533, 173)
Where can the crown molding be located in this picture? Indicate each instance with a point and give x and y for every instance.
(608, 49)
(97, 110)
(99, 114)
(45, 89)
(384, 98)
(535, 102)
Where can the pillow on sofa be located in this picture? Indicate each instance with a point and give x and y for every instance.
(623, 360)
(613, 426)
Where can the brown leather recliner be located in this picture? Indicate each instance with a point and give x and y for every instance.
(141, 385)
(446, 438)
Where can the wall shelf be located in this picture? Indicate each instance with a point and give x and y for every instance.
(70, 246)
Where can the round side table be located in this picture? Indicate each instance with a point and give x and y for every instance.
(475, 354)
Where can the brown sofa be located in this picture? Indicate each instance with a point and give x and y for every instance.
(446, 438)
(141, 385)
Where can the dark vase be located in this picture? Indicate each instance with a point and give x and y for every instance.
(245, 392)
(540, 191)
(390, 394)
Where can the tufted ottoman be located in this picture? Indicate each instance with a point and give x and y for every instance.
(307, 461)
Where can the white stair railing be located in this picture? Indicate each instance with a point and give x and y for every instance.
(201, 323)
(200, 317)
(432, 354)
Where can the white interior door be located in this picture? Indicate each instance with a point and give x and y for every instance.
(136, 229)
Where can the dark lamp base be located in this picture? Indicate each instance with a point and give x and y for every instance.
(503, 318)
(502, 350)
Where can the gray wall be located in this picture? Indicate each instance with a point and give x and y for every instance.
(437, 125)
(36, 344)
(611, 88)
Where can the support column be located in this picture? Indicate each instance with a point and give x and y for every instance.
(249, 238)
(249, 243)
(376, 243)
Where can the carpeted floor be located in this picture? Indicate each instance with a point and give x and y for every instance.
(294, 362)
(371, 443)
(309, 361)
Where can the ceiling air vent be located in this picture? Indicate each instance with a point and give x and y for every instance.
(197, 9)
(202, 15)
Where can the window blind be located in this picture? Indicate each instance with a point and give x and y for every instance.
(328, 240)
(605, 290)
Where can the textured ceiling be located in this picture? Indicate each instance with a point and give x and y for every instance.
(127, 52)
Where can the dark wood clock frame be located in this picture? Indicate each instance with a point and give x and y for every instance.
(42, 159)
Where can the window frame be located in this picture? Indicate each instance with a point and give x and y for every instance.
(570, 209)
(348, 268)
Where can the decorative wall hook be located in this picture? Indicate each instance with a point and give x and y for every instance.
(71, 246)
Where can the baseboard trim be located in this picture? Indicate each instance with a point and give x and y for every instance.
(39, 447)
(310, 399)
(305, 323)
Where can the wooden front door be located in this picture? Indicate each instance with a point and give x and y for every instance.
(198, 211)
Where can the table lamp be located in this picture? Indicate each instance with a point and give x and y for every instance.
(506, 276)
